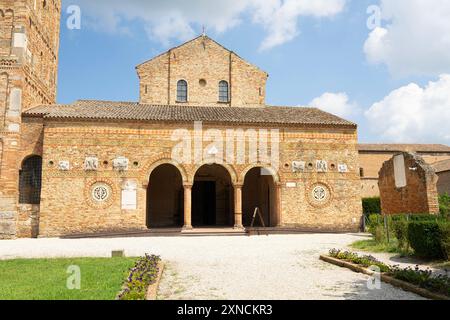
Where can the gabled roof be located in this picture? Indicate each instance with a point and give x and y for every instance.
(421, 148)
(133, 111)
(192, 40)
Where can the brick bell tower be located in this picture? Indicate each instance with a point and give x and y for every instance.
(29, 45)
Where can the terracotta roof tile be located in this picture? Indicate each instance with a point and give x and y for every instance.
(129, 111)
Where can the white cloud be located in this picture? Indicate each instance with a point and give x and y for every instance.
(280, 19)
(336, 103)
(413, 114)
(167, 20)
(415, 39)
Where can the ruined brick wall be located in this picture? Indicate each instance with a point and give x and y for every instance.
(443, 184)
(29, 37)
(418, 196)
(201, 59)
(371, 163)
(67, 206)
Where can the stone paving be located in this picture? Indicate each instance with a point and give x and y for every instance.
(259, 267)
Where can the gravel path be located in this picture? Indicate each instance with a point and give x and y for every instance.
(265, 267)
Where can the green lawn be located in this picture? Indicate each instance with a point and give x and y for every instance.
(46, 279)
(373, 246)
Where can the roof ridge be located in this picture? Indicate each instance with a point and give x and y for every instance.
(194, 39)
(173, 48)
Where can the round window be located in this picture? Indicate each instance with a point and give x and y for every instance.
(319, 193)
(202, 82)
(100, 193)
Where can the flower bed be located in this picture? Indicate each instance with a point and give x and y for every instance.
(142, 275)
(425, 279)
(365, 261)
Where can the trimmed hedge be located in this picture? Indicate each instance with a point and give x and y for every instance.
(445, 240)
(425, 237)
(371, 205)
(444, 205)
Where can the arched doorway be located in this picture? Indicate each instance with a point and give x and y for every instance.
(259, 192)
(212, 197)
(165, 197)
(30, 180)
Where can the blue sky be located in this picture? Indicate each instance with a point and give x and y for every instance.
(322, 55)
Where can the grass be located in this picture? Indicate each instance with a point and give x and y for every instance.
(442, 265)
(46, 279)
(374, 246)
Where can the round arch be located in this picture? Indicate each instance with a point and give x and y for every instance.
(259, 191)
(148, 170)
(165, 196)
(273, 172)
(213, 196)
(30, 180)
(231, 170)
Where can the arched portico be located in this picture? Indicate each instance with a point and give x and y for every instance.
(261, 189)
(165, 197)
(212, 196)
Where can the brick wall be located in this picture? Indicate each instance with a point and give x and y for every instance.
(420, 194)
(371, 163)
(201, 59)
(66, 206)
(29, 37)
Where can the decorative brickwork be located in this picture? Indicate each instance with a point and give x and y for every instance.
(150, 146)
(203, 64)
(29, 45)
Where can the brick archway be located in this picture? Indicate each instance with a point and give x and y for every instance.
(165, 197)
(212, 196)
(230, 169)
(272, 171)
(152, 165)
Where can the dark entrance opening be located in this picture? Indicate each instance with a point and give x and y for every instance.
(212, 197)
(165, 198)
(259, 192)
(204, 201)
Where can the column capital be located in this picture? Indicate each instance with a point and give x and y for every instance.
(238, 186)
(188, 185)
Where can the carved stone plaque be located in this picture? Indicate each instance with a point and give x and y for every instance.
(343, 168)
(298, 166)
(121, 163)
(321, 166)
(129, 195)
(91, 164)
(64, 165)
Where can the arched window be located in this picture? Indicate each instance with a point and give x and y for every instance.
(182, 91)
(30, 181)
(224, 95)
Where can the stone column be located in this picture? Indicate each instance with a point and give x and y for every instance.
(278, 204)
(187, 207)
(238, 207)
